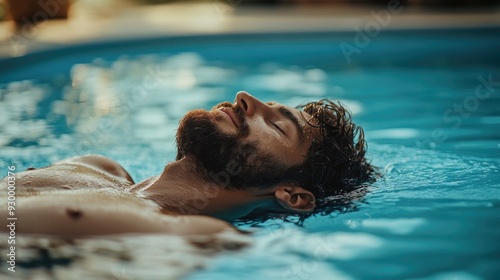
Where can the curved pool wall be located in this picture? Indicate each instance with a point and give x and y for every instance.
(434, 214)
(390, 47)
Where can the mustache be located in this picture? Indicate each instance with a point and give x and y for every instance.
(240, 115)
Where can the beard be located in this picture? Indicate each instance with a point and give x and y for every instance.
(228, 160)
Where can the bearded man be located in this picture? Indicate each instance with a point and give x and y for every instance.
(234, 160)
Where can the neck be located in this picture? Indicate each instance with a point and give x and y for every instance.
(182, 189)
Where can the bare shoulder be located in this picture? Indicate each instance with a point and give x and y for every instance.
(83, 172)
(100, 163)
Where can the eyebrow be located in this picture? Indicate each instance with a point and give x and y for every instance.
(289, 115)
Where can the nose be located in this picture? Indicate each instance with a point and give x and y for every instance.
(248, 103)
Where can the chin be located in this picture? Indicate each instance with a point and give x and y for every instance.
(200, 136)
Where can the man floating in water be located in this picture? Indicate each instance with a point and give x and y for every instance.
(236, 159)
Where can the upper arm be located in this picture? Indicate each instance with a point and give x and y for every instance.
(87, 213)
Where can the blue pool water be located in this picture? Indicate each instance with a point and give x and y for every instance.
(429, 102)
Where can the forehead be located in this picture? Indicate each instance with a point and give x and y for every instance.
(306, 122)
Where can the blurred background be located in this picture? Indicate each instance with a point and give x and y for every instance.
(25, 24)
(422, 77)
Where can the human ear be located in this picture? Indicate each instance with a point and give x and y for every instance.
(295, 198)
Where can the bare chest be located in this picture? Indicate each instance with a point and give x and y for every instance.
(65, 177)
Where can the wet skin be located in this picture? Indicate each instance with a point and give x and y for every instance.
(93, 195)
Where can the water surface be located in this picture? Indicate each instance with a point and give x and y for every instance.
(433, 215)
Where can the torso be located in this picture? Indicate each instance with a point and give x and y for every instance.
(92, 195)
(93, 179)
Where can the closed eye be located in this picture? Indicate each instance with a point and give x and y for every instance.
(279, 128)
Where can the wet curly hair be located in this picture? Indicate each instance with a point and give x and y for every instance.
(336, 167)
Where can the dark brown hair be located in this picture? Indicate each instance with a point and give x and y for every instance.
(336, 163)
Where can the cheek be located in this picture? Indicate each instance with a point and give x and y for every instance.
(270, 142)
(261, 133)
(267, 142)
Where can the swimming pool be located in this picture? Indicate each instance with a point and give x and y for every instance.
(429, 101)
